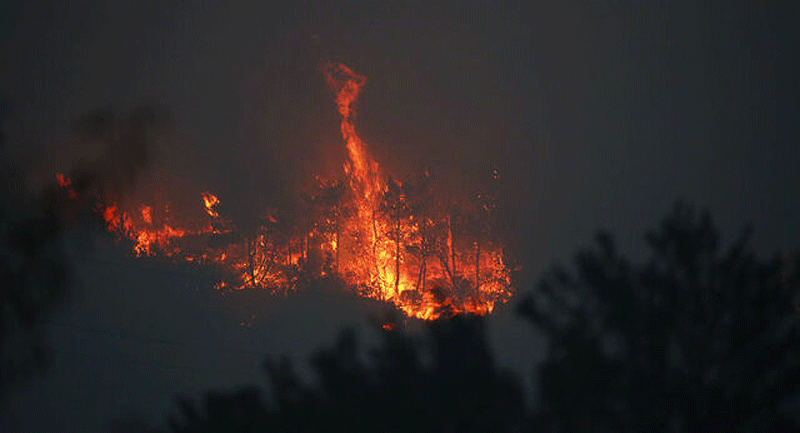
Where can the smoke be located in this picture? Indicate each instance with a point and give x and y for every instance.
(35, 272)
(127, 143)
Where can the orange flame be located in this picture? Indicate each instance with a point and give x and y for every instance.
(210, 201)
(66, 183)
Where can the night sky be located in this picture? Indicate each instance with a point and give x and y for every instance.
(598, 116)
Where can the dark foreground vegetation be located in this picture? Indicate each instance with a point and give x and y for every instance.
(694, 338)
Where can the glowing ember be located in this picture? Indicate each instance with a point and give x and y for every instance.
(387, 240)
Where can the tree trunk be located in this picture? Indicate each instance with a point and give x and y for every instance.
(338, 245)
(422, 271)
(251, 261)
(447, 273)
(451, 247)
(477, 264)
(305, 249)
(397, 256)
(375, 246)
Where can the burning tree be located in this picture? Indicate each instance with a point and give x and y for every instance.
(390, 214)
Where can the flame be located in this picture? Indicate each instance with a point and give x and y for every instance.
(210, 201)
(146, 239)
(147, 215)
(381, 264)
(63, 182)
(428, 261)
(66, 184)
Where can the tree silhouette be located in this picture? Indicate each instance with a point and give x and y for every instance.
(690, 340)
(33, 271)
(460, 390)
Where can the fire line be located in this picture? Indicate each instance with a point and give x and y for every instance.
(393, 241)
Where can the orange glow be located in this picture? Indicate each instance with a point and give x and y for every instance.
(66, 183)
(62, 181)
(147, 215)
(112, 218)
(429, 257)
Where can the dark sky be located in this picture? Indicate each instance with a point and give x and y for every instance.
(598, 116)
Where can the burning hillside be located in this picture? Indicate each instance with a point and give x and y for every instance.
(399, 242)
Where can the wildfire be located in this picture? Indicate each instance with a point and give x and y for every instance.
(394, 250)
(147, 238)
(388, 240)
